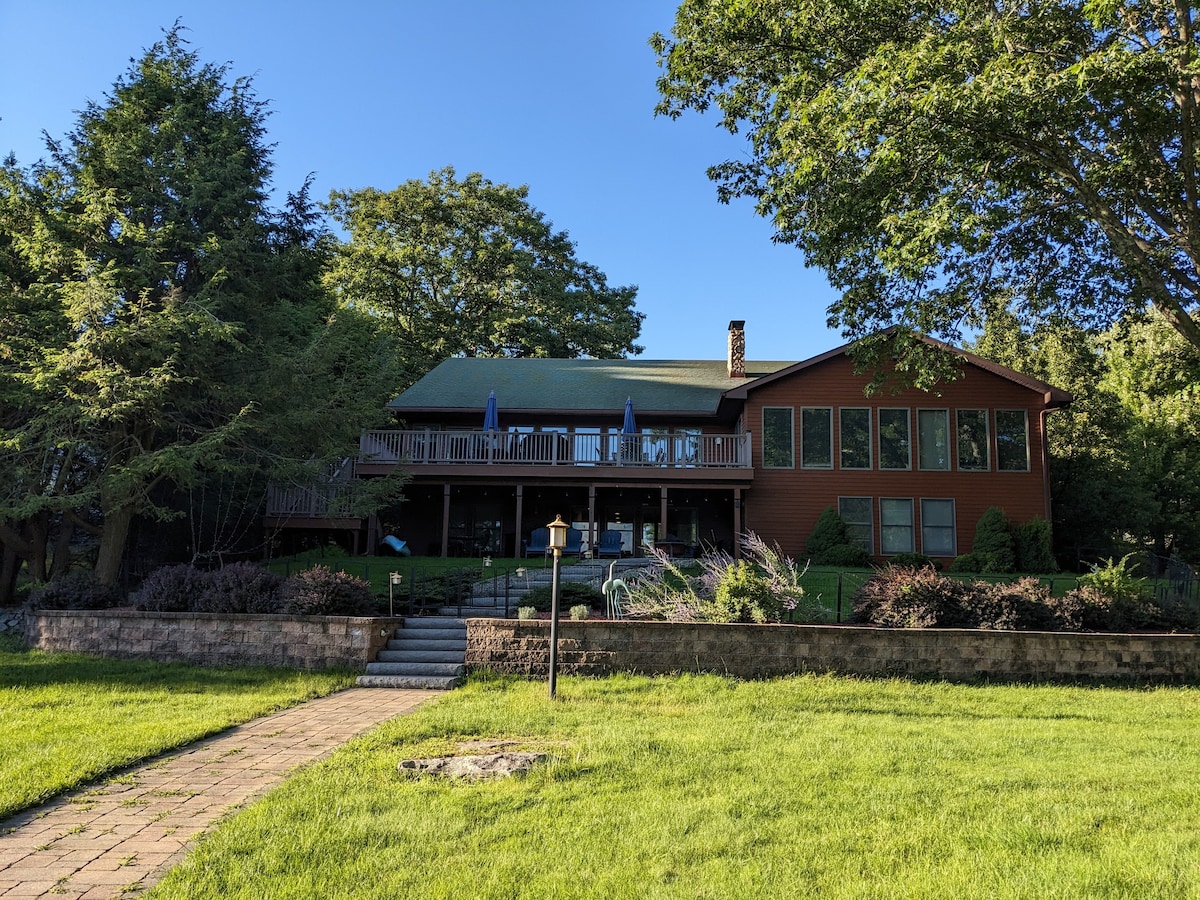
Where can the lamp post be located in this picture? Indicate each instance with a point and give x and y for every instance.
(558, 540)
(394, 579)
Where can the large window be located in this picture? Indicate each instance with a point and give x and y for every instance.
(860, 526)
(855, 424)
(972, 429)
(933, 439)
(816, 437)
(1012, 440)
(937, 528)
(777, 438)
(895, 526)
(894, 445)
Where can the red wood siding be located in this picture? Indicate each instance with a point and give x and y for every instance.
(783, 505)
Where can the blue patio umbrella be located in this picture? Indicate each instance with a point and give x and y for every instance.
(491, 414)
(629, 444)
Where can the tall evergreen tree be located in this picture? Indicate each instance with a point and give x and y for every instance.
(197, 333)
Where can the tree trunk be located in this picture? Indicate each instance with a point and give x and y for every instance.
(112, 544)
(61, 562)
(10, 564)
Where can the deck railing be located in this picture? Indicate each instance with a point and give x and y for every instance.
(302, 502)
(546, 448)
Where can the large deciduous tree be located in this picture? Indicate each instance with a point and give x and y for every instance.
(942, 160)
(172, 327)
(466, 267)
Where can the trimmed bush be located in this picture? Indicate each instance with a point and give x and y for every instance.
(1033, 543)
(846, 556)
(76, 590)
(241, 588)
(829, 532)
(913, 561)
(1022, 605)
(172, 589)
(743, 594)
(994, 542)
(321, 592)
(830, 545)
(900, 597)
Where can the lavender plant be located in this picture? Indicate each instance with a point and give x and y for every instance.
(760, 588)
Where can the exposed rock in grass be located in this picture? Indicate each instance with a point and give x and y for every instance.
(488, 765)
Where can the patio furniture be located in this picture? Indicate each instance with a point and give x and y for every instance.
(539, 542)
(610, 544)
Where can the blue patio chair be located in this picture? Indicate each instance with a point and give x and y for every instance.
(538, 543)
(610, 544)
(574, 542)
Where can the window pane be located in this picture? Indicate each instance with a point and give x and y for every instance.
(893, 439)
(897, 531)
(937, 528)
(933, 433)
(856, 513)
(777, 437)
(1012, 441)
(816, 438)
(856, 438)
(973, 440)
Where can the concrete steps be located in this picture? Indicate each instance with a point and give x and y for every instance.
(428, 652)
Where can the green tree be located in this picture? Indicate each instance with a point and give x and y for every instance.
(186, 336)
(943, 161)
(1097, 493)
(1155, 376)
(468, 268)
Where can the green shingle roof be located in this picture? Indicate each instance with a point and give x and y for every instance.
(664, 385)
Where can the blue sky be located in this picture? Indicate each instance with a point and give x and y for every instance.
(555, 94)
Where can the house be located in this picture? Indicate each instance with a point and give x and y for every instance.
(715, 448)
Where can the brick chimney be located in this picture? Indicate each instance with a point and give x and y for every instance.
(737, 348)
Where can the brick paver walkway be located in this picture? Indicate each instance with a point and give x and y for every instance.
(121, 834)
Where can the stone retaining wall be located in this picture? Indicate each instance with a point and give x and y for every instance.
(214, 639)
(761, 651)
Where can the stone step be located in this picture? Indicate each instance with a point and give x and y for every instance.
(434, 622)
(479, 612)
(410, 682)
(421, 656)
(442, 669)
(458, 643)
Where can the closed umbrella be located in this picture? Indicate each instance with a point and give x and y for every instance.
(491, 422)
(629, 440)
(491, 414)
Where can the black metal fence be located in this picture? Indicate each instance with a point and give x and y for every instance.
(837, 589)
(425, 589)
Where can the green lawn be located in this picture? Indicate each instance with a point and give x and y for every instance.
(707, 787)
(66, 719)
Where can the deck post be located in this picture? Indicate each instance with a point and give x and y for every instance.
(445, 520)
(737, 523)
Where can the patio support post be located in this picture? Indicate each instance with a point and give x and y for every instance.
(737, 523)
(592, 519)
(662, 511)
(517, 548)
(445, 520)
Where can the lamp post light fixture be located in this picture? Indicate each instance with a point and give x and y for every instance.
(558, 540)
(394, 579)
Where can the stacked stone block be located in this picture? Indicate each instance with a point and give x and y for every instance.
(764, 651)
(213, 639)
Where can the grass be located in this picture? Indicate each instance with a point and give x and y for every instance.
(67, 719)
(708, 787)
